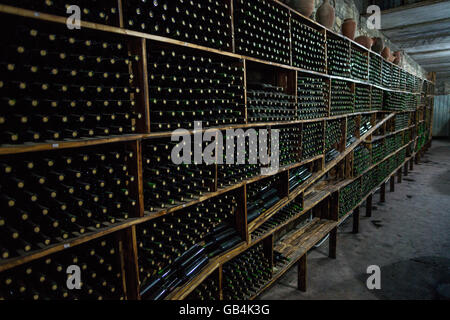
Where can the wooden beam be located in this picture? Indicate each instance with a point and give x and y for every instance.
(383, 193)
(428, 52)
(356, 217)
(302, 273)
(369, 206)
(416, 25)
(333, 243)
(408, 7)
(421, 36)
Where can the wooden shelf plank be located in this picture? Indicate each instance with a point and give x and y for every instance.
(16, 261)
(56, 145)
(303, 241)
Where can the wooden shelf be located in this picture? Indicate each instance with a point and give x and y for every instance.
(84, 24)
(64, 245)
(57, 145)
(305, 238)
(297, 243)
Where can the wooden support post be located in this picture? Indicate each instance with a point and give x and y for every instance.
(130, 263)
(417, 158)
(302, 273)
(383, 193)
(406, 169)
(399, 176)
(411, 164)
(333, 243)
(356, 217)
(369, 206)
(392, 183)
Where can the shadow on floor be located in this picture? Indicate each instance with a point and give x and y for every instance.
(412, 279)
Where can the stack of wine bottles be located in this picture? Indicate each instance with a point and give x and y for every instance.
(406, 137)
(411, 101)
(97, 11)
(403, 79)
(382, 172)
(57, 85)
(246, 274)
(366, 124)
(386, 70)
(308, 47)
(208, 290)
(376, 101)
(349, 196)
(334, 133)
(423, 136)
(298, 176)
(359, 65)
(241, 160)
(351, 130)
(402, 121)
(290, 149)
(262, 30)
(288, 212)
(392, 143)
(338, 51)
(401, 157)
(375, 63)
(418, 83)
(410, 83)
(394, 101)
(396, 82)
(362, 98)
(269, 103)
(331, 155)
(175, 247)
(369, 181)
(46, 278)
(313, 96)
(342, 98)
(263, 195)
(392, 163)
(52, 197)
(167, 184)
(361, 160)
(187, 87)
(312, 139)
(378, 151)
(207, 23)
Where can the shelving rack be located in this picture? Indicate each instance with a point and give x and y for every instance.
(319, 195)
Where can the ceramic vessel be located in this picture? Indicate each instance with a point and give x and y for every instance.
(386, 53)
(305, 7)
(325, 15)
(398, 57)
(378, 45)
(364, 41)
(349, 28)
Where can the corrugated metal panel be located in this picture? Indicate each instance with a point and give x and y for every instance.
(441, 119)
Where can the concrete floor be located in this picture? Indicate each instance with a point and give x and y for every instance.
(408, 237)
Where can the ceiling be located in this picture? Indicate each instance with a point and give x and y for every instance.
(422, 30)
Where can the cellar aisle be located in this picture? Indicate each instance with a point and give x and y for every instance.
(408, 237)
